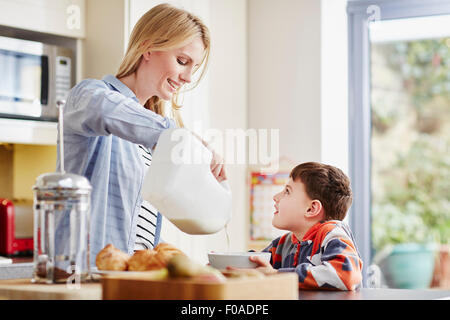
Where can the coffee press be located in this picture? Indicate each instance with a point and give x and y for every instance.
(61, 223)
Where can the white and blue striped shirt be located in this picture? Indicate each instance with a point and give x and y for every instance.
(148, 216)
(103, 126)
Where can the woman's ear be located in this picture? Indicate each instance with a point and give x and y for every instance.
(146, 55)
(314, 209)
(147, 46)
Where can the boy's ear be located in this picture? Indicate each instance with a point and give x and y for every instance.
(315, 209)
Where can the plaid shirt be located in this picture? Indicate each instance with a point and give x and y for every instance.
(326, 258)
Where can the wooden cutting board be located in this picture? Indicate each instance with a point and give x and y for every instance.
(274, 287)
(23, 289)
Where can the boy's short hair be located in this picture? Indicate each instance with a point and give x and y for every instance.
(327, 184)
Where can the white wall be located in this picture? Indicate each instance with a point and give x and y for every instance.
(297, 59)
(284, 74)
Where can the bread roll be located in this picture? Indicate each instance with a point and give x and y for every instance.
(166, 247)
(166, 251)
(111, 258)
(144, 260)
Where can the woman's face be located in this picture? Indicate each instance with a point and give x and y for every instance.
(161, 73)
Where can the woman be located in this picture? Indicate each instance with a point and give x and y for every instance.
(112, 125)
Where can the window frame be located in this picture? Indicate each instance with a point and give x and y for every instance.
(359, 117)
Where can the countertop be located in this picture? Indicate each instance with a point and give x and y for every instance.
(376, 294)
(23, 289)
(21, 267)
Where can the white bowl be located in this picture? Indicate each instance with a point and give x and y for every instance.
(222, 260)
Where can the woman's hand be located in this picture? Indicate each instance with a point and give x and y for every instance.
(217, 166)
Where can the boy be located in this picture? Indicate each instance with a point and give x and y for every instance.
(319, 247)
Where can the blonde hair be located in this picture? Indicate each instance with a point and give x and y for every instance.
(164, 27)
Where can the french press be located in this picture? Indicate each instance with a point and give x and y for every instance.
(61, 223)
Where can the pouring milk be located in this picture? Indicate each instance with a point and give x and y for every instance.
(179, 183)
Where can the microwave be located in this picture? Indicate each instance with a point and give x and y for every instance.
(34, 75)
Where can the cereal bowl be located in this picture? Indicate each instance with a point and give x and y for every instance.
(222, 260)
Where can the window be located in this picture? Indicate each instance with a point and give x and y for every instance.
(399, 122)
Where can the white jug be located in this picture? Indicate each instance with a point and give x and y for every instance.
(180, 184)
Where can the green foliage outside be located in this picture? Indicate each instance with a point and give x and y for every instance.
(412, 203)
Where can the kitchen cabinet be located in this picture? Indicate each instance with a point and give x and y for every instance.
(53, 22)
(59, 17)
(20, 165)
(27, 149)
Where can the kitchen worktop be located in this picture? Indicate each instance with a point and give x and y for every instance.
(376, 294)
(23, 289)
(21, 267)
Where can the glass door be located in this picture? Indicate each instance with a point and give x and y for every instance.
(410, 147)
(399, 147)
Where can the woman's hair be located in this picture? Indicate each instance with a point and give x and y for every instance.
(327, 184)
(164, 27)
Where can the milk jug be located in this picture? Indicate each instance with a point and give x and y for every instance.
(180, 184)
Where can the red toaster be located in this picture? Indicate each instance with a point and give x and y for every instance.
(9, 244)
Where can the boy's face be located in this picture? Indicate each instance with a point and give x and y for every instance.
(291, 204)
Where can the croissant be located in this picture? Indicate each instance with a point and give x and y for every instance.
(144, 260)
(167, 251)
(111, 258)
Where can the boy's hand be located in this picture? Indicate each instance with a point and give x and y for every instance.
(263, 266)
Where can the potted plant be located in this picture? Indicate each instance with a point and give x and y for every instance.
(405, 248)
